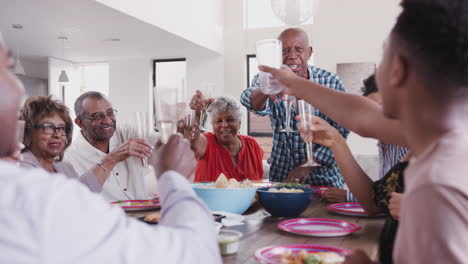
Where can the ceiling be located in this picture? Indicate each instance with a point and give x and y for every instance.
(89, 26)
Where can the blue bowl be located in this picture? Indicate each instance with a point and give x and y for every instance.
(285, 204)
(235, 201)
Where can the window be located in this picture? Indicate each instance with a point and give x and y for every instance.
(170, 73)
(257, 126)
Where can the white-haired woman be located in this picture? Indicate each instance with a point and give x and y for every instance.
(223, 150)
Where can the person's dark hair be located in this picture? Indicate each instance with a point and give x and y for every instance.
(434, 35)
(79, 111)
(370, 86)
(38, 107)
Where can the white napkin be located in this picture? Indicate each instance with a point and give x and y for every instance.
(230, 219)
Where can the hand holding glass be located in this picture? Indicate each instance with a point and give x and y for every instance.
(207, 90)
(307, 112)
(269, 53)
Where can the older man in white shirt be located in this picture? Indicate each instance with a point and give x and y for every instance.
(113, 152)
(52, 219)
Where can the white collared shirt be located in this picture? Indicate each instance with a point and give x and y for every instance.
(50, 219)
(127, 178)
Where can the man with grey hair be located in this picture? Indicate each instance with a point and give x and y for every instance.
(113, 153)
(224, 151)
(289, 150)
(52, 219)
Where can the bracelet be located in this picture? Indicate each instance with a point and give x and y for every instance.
(101, 164)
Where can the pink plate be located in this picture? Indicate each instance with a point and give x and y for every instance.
(273, 254)
(319, 189)
(350, 209)
(318, 227)
(138, 205)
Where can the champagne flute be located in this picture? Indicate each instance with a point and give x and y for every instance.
(207, 90)
(20, 131)
(165, 100)
(189, 120)
(287, 105)
(307, 111)
(143, 124)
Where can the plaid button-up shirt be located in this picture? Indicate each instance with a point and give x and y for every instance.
(289, 150)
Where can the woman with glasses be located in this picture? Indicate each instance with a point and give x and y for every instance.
(48, 133)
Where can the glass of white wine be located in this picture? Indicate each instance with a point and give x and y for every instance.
(165, 101)
(307, 112)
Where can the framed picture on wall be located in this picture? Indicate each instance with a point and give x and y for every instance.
(257, 126)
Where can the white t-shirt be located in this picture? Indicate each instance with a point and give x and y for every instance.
(434, 210)
(50, 219)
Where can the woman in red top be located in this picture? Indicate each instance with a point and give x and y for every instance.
(224, 151)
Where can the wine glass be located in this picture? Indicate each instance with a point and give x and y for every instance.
(189, 120)
(165, 102)
(206, 90)
(287, 105)
(307, 111)
(20, 131)
(143, 125)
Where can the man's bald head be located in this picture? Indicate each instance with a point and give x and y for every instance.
(296, 50)
(11, 92)
(293, 32)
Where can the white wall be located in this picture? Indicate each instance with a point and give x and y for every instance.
(36, 69)
(198, 21)
(72, 88)
(343, 31)
(130, 87)
(130, 84)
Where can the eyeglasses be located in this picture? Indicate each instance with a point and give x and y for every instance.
(49, 129)
(100, 116)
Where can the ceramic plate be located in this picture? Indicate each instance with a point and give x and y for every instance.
(273, 254)
(318, 227)
(351, 209)
(138, 205)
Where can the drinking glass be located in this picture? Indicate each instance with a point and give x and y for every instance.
(269, 53)
(307, 111)
(207, 91)
(189, 120)
(20, 131)
(287, 105)
(165, 102)
(143, 126)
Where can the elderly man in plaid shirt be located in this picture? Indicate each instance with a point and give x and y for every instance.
(289, 150)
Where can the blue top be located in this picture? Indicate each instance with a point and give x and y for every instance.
(289, 150)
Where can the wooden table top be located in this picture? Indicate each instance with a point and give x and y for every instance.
(260, 231)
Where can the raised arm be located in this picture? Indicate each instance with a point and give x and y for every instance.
(356, 113)
(357, 180)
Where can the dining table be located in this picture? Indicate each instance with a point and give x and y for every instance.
(260, 230)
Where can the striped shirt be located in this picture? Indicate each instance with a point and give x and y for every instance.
(289, 150)
(389, 156)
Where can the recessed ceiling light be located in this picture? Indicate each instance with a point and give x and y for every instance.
(17, 26)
